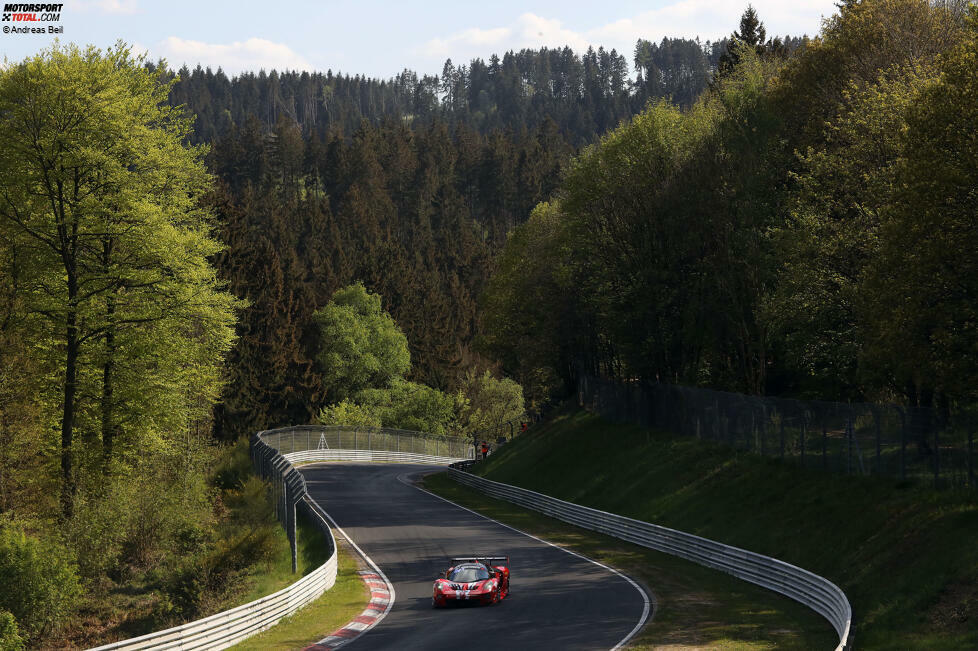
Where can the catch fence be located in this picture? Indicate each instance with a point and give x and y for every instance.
(908, 443)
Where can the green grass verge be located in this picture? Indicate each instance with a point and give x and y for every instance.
(905, 556)
(696, 607)
(337, 606)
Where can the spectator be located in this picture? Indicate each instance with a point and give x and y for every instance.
(485, 450)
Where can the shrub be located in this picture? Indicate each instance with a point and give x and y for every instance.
(234, 466)
(9, 639)
(39, 579)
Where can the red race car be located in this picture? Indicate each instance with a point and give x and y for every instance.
(473, 579)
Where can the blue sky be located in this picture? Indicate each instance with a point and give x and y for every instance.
(381, 38)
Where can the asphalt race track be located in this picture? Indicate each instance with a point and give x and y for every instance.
(557, 600)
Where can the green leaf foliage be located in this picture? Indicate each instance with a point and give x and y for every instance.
(39, 579)
(411, 406)
(361, 346)
(9, 638)
(490, 402)
(126, 318)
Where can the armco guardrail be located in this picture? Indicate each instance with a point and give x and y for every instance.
(273, 454)
(818, 593)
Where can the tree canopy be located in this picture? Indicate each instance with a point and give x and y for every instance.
(106, 251)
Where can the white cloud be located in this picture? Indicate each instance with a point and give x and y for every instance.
(529, 30)
(443, 47)
(108, 6)
(252, 54)
(708, 19)
(712, 19)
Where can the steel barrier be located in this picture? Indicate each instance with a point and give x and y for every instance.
(816, 592)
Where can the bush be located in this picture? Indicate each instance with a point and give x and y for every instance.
(234, 466)
(9, 639)
(490, 402)
(201, 581)
(350, 414)
(95, 533)
(39, 579)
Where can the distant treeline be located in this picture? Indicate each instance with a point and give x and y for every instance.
(585, 95)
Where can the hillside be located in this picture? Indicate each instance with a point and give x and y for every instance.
(904, 556)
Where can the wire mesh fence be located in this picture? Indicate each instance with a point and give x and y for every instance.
(848, 438)
(288, 440)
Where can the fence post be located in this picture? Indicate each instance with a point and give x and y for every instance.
(937, 458)
(876, 418)
(849, 434)
(971, 456)
(782, 435)
(825, 442)
(903, 445)
(763, 432)
(804, 426)
(295, 541)
(370, 439)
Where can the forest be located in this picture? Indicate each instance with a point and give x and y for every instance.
(188, 258)
(805, 229)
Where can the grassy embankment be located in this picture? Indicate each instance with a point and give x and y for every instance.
(905, 556)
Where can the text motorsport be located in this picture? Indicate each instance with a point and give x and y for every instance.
(32, 13)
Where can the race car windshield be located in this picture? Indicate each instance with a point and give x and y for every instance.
(468, 574)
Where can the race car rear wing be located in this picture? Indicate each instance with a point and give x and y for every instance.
(481, 559)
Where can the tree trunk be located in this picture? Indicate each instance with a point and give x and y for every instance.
(4, 460)
(68, 413)
(108, 368)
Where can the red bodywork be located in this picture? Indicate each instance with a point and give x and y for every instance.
(485, 591)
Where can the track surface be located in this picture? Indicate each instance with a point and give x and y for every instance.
(558, 601)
